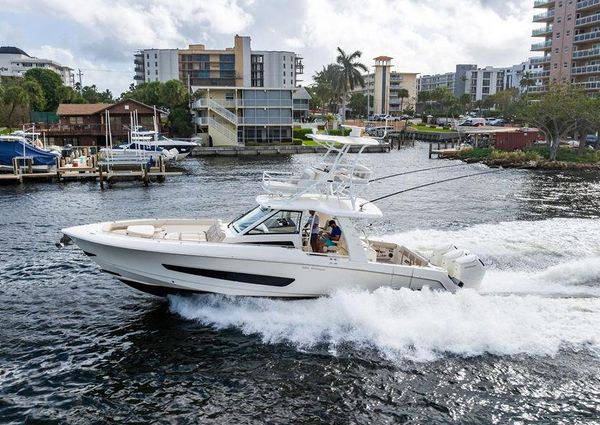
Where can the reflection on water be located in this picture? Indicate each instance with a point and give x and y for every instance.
(78, 346)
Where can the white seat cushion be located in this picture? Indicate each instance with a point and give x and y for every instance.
(141, 231)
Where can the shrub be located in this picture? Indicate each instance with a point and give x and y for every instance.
(297, 142)
(340, 132)
(300, 133)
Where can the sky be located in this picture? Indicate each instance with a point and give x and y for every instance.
(425, 36)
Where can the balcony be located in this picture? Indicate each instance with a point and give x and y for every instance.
(201, 120)
(585, 4)
(589, 85)
(138, 77)
(542, 32)
(537, 89)
(588, 36)
(588, 20)
(543, 3)
(587, 53)
(540, 60)
(542, 73)
(265, 120)
(588, 69)
(546, 45)
(545, 17)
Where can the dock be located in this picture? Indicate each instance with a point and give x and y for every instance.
(108, 171)
(274, 150)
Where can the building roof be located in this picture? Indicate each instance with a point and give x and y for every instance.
(11, 50)
(66, 109)
(81, 108)
(383, 58)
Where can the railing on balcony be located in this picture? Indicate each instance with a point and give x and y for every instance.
(265, 103)
(589, 85)
(540, 74)
(201, 120)
(265, 120)
(544, 16)
(587, 53)
(542, 46)
(79, 129)
(542, 31)
(543, 3)
(589, 69)
(539, 60)
(587, 3)
(537, 89)
(587, 36)
(588, 20)
(200, 103)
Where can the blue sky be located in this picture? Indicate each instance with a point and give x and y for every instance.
(425, 36)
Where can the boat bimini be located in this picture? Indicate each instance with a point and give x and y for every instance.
(267, 251)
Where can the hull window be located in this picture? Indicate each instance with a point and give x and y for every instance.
(255, 279)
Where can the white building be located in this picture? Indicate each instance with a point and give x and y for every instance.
(156, 65)
(14, 62)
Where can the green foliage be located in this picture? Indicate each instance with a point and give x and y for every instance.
(297, 142)
(340, 132)
(475, 153)
(569, 154)
(180, 122)
(49, 82)
(358, 103)
(300, 133)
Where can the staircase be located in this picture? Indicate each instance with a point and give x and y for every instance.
(223, 111)
(229, 135)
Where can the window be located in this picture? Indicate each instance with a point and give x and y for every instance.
(565, 65)
(557, 35)
(251, 217)
(155, 63)
(156, 72)
(155, 56)
(75, 120)
(147, 55)
(284, 222)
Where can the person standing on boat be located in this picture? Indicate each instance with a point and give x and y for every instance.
(313, 223)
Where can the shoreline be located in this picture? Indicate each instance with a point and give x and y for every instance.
(542, 164)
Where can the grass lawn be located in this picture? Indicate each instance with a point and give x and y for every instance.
(309, 143)
(428, 129)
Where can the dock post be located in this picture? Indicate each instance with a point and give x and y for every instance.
(146, 178)
(100, 176)
(162, 168)
(430, 149)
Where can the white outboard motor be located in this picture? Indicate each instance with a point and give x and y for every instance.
(438, 253)
(468, 270)
(449, 258)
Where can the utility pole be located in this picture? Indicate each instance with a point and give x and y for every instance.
(80, 74)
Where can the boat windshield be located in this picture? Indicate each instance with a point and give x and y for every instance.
(250, 218)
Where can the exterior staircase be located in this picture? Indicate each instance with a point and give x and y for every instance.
(222, 111)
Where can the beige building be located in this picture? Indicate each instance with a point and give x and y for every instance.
(383, 88)
(570, 43)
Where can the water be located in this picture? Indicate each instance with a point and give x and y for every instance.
(76, 346)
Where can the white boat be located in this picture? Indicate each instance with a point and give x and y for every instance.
(154, 139)
(139, 151)
(266, 252)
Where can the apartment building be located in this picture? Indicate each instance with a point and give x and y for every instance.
(383, 88)
(569, 42)
(156, 65)
(244, 96)
(14, 62)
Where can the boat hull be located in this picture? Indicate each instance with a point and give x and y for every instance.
(163, 267)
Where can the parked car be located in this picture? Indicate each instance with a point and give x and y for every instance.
(472, 122)
(378, 131)
(497, 122)
(592, 141)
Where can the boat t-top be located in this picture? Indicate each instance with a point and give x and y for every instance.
(283, 247)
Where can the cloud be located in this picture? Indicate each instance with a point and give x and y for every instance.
(425, 36)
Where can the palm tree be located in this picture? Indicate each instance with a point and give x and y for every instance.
(402, 94)
(526, 81)
(325, 88)
(349, 75)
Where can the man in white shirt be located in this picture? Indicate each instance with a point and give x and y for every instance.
(313, 223)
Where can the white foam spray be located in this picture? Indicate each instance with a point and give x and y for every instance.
(534, 307)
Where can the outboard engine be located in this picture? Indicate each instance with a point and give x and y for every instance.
(438, 253)
(469, 270)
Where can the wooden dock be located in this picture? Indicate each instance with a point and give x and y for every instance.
(102, 171)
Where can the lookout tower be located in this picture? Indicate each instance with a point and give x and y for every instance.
(381, 87)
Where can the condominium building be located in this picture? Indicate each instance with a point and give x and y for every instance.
(14, 62)
(243, 96)
(570, 43)
(384, 88)
(454, 81)
(156, 65)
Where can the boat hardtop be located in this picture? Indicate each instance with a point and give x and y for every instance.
(295, 244)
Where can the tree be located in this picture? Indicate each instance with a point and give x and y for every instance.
(504, 101)
(465, 101)
(35, 95)
(90, 94)
(526, 81)
(402, 94)
(50, 82)
(556, 114)
(180, 122)
(349, 75)
(172, 94)
(358, 104)
(67, 94)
